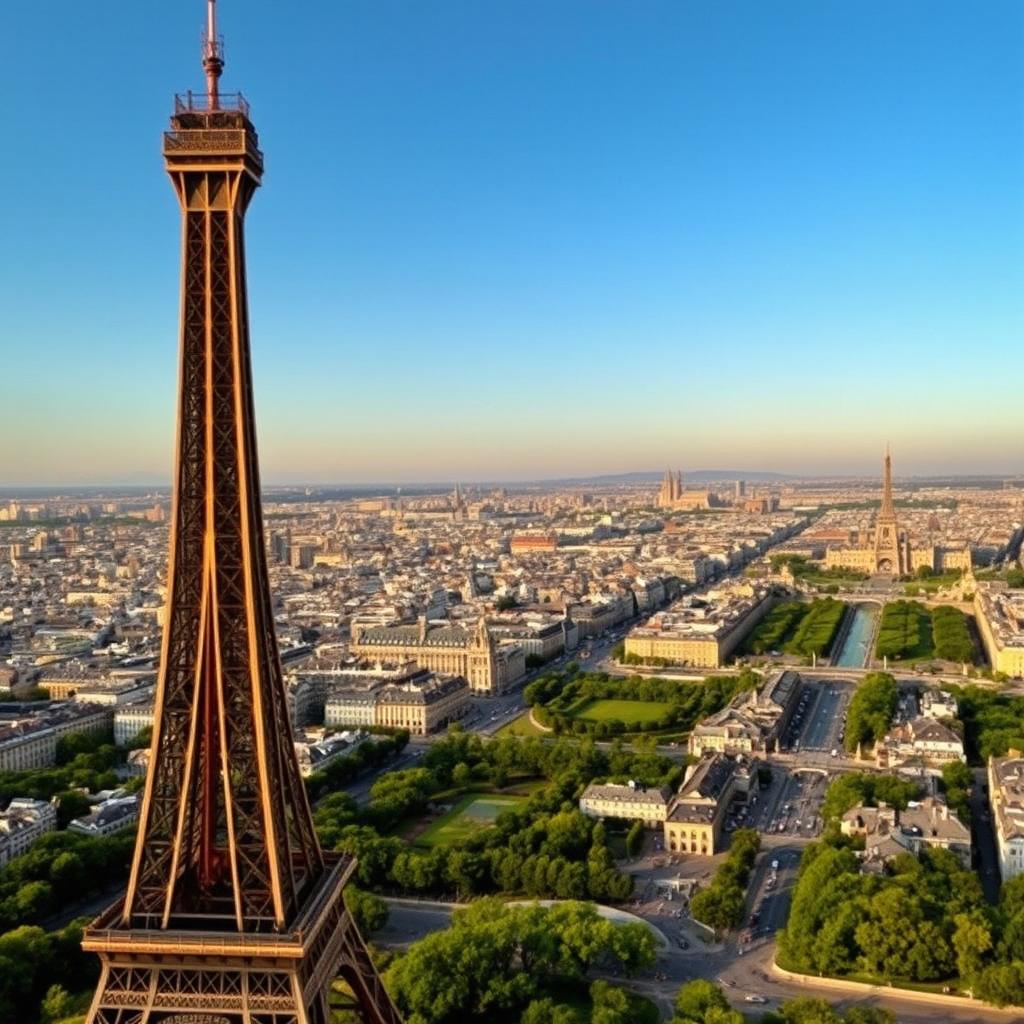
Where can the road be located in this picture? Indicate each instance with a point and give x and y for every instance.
(739, 975)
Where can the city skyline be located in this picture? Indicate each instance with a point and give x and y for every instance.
(769, 242)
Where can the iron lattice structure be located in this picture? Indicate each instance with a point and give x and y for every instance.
(233, 914)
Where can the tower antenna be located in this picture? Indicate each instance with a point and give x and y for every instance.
(213, 55)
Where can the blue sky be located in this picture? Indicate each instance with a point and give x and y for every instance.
(516, 240)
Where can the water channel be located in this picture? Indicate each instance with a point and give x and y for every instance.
(855, 647)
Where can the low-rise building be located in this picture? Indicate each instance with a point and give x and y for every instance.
(630, 802)
(315, 756)
(110, 816)
(889, 831)
(919, 741)
(938, 704)
(696, 814)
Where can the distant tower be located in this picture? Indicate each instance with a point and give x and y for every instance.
(666, 495)
(888, 549)
(233, 914)
(679, 485)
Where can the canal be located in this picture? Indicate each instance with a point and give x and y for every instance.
(855, 647)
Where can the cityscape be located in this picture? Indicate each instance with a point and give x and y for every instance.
(611, 739)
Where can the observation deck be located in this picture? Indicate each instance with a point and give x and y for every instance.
(207, 128)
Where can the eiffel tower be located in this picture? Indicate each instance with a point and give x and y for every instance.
(233, 914)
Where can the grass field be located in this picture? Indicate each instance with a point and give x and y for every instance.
(905, 632)
(632, 712)
(776, 627)
(521, 726)
(470, 813)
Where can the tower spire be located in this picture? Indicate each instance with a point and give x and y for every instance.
(888, 510)
(213, 55)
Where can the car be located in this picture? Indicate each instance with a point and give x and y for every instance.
(683, 944)
(775, 865)
(760, 1000)
(835, 752)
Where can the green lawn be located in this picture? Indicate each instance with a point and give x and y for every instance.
(521, 726)
(632, 712)
(468, 815)
(905, 633)
(931, 584)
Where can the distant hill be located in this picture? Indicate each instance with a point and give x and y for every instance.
(696, 476)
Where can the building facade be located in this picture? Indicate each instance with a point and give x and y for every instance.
(702, 635)
(697, 812)
(448, 650)
(1006, 798)
(999, 612)
(630, 802)
(21, 824)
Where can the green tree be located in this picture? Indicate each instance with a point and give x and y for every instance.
(57, 1004)
(369, 912)
(696, 998)
(71, 804)
(806, 1010)
(972, 942)
(635, 838)
(547, 1011)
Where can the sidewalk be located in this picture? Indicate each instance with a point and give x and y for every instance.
(891, 992)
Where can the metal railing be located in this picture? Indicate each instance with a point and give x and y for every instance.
(202, 102)
(216, 141)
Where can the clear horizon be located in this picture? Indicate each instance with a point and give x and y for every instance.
(533, 241)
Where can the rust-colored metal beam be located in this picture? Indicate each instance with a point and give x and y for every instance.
(232, 912)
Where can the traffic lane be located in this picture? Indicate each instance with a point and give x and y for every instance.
(984, 836)
(409, 922)
(818, 724)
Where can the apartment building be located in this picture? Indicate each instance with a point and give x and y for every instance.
(702, 631)
(29, 732)
(999, 612)
(109, 817)
(316, 756)
(1006, 798)
(24, 821)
